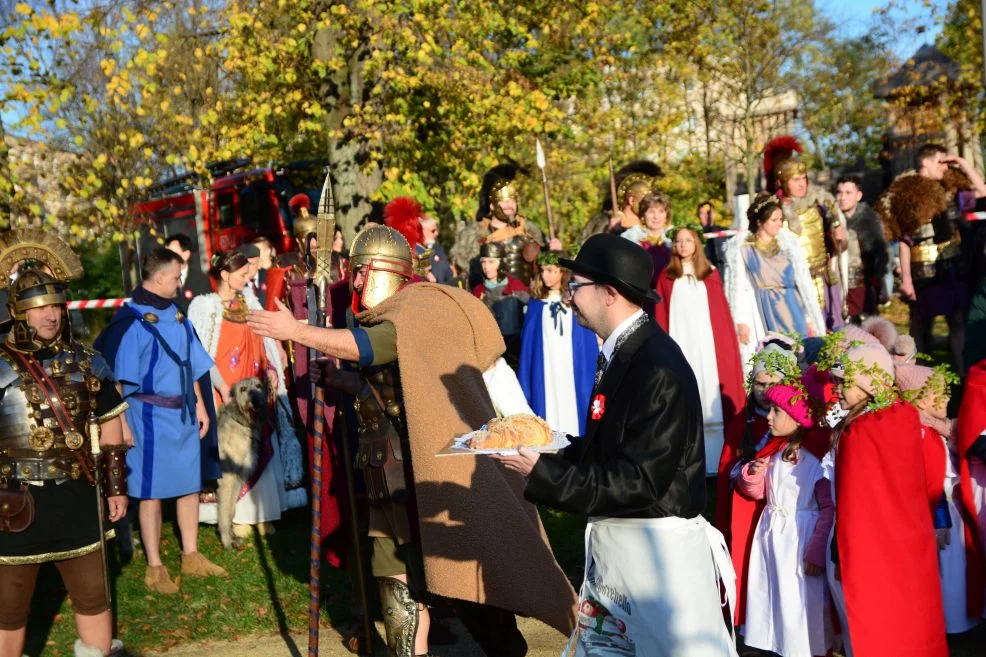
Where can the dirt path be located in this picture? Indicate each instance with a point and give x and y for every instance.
(542, 641)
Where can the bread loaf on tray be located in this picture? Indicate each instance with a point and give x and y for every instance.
(512, 432)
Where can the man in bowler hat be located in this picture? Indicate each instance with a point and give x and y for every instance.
(653, 564)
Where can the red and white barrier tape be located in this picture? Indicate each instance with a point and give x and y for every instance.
(93, 304)
(722, 233)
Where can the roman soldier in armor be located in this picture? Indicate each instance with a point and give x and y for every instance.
(441, 527)
(812, 214)
(923, 209)
(631, 183)
(57, 398)
(498, 220)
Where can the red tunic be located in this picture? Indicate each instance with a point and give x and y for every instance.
(887, 552)
(971, 424)
(726, 343)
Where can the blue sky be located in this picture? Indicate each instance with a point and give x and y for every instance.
(855, 15)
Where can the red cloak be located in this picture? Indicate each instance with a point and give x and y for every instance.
(887, 552)
(726, 343)
(971, 424)
(746, 513)
(731, 452)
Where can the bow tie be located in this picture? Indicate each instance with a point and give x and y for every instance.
(557, 308)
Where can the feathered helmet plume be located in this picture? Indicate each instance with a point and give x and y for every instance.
(404, 214)
(778, 157)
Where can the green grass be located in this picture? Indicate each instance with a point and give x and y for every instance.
(266, 593)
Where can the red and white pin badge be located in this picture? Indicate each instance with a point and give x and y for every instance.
(598, 407)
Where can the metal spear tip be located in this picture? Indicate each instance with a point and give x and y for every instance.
(540, 152)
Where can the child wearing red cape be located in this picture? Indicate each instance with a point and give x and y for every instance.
(885, 544)
(927, 389)
(971, 452)
(787, 605)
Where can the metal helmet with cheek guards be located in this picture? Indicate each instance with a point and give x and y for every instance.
(386, 257)
(44, 263)
(35, 288)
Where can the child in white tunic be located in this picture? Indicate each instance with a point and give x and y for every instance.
(787, 598)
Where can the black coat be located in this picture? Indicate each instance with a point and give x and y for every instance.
(645, 458)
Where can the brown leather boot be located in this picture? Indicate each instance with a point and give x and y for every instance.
(157, 580)
(195, 564)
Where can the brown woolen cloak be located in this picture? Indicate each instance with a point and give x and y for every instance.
(481, 541)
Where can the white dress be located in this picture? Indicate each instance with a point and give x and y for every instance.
(951, 560)
(690, 325)
(560, 410)
(787, 611)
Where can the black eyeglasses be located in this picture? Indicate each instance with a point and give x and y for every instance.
(573, 287)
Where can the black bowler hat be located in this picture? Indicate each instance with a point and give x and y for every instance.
(610, 259)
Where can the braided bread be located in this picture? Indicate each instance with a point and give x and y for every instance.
(512, 432)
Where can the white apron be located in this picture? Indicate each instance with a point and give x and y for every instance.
(787, 612)
(652, 589)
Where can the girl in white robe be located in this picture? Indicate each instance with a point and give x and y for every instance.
(787, 605)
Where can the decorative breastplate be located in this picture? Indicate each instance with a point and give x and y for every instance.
(933, 243)
(811, 239)
(43, 431)
(517, 266)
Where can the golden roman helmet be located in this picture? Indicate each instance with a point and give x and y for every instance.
(44, 263)
(304, 225)
(386, 257)
(502, 190)
(637, 185)
(789, 168)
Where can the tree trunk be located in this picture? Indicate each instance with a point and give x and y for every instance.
(6, 180)
(355, 175)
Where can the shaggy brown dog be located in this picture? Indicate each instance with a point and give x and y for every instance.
(239, 425)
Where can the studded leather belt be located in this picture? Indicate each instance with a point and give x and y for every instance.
(40, 469)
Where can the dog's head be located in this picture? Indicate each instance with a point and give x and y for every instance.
(250, 395)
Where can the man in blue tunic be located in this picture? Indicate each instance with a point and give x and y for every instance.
(158, 359)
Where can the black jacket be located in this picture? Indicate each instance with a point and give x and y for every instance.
(645, 457)
(872, 246)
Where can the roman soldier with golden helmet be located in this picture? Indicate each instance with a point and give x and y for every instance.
(62, 454)
(440, 526)
(498, 220)
(811, 213)
(621, 206)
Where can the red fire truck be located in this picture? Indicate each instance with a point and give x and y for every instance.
(241, 203)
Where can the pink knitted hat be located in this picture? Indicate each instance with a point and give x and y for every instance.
(867, 356)
(792, 401)
(855, 334)
(912, 377)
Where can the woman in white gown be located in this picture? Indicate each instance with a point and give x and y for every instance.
(768, 283)
(694, 312)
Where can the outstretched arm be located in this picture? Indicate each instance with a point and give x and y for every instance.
(282, 325)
